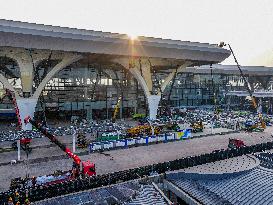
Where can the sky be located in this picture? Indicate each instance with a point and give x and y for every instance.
(247, 25)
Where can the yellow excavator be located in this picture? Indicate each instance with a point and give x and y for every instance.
(142, 130)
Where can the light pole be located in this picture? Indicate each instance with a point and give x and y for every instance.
(27, 149)
(19, 150)
(211, 125)
(74, 139)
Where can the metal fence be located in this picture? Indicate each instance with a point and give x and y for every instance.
(139, 141)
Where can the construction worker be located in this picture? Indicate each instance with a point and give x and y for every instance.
(10, 201)
(33, 181)
(26, 198)
(27, 202)
(74, 172)
(17, 197)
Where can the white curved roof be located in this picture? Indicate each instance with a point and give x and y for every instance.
(30, 35)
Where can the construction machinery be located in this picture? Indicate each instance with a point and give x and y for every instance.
(143, 130)
(117, 107)
(235, 143)
(79, 168)
(87, 167)
(24, 144)
(81, 140)
(262, 124)
(173, 126)
(251, 126)
(197, 126)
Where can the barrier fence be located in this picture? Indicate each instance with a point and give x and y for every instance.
(43, 192)
(139, 141)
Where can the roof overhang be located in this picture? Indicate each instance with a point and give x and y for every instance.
(37, 36)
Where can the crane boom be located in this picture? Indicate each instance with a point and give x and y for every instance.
(248, 89)
(53, 139)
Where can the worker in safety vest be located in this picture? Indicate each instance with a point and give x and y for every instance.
(27, 202)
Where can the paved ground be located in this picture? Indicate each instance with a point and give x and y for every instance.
(125, 158)
(44, 148)
(52, 150)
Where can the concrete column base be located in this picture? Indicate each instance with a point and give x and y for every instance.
(153, 101)
(26, 108)
(89, 114)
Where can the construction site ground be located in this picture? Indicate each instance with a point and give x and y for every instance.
(116, 160)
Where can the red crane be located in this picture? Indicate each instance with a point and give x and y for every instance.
(88, 168)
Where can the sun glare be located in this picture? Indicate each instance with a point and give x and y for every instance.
(132, 36)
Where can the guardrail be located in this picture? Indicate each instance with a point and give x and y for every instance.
(43, 192)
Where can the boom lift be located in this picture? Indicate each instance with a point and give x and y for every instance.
(79, 168)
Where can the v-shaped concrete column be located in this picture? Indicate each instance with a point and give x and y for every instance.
(7, 85)
(27, 62)
(141, 70)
